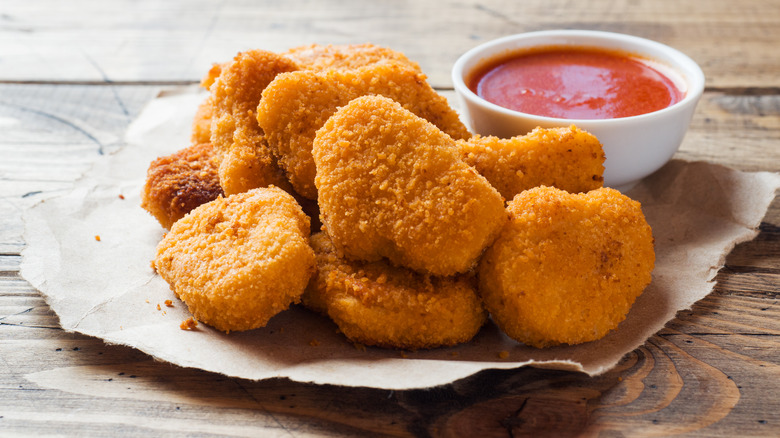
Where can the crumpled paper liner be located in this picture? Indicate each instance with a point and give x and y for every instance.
(107, 289)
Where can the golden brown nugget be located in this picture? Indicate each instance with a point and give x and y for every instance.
(201, 123)
(567, 267)
(566, 158)
(296, 104)
(238, 261)
(211, 76)
(246, 161)
(177, 183)
(379, 304)
(346, 56)
(393, 185)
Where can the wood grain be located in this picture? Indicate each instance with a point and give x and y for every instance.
(125, 41)
(72, 81)
(695, 374)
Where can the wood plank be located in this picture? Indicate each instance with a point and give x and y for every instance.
(707, 381)
(150, 41)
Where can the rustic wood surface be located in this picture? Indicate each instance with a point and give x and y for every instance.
(74, 75)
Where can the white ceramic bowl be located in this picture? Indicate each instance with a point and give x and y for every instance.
(634, 146)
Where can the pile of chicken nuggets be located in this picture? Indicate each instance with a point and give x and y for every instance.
(337, 178)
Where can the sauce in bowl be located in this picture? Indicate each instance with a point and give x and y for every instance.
(575, 83)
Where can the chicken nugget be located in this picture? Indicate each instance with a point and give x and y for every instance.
(346, 56)
(382, 305)
(246, 161)
(177, 183)
(211, 76)
(296, 104)
(201, 123)
(393, 185)
(567, 158)
(567, 267)
(238, 261)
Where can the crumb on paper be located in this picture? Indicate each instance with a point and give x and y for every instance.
(503, 354)
(168, 303)
(121, 196)
(189, 324)
(147, 301)
(314, 343)
(97, 237)
(158, 306)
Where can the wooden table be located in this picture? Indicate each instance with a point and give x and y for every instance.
(73, 76)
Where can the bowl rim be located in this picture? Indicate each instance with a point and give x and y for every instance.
(683, 65)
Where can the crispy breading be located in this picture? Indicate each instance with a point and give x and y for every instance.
(345, 56)
(567, 267)
(238, 261)
(208, 79)
(567, 158)
(379, 304)
(393, 185)
(201, 123)
(177, 183)
(246, 161)
(296, 104)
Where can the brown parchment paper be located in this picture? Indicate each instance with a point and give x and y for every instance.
(107, 289)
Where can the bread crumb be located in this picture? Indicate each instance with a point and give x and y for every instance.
(158, 306)
(404, 355)
(503, 354)
(188, 324)
(314, 342)
(358, 346)
(454, 354)
(121, 196)
(147, 301)
(168, 303)
(97, 237)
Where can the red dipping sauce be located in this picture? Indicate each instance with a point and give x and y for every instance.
(575, 83)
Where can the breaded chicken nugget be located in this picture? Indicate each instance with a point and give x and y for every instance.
(347, 56)
(201, 123)
(382, 305)
(567, 267)
(246, 161)
(177, 183)
(393, 185)
(296, 104)
(566, 158)
(211, 76)
(240, 260)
